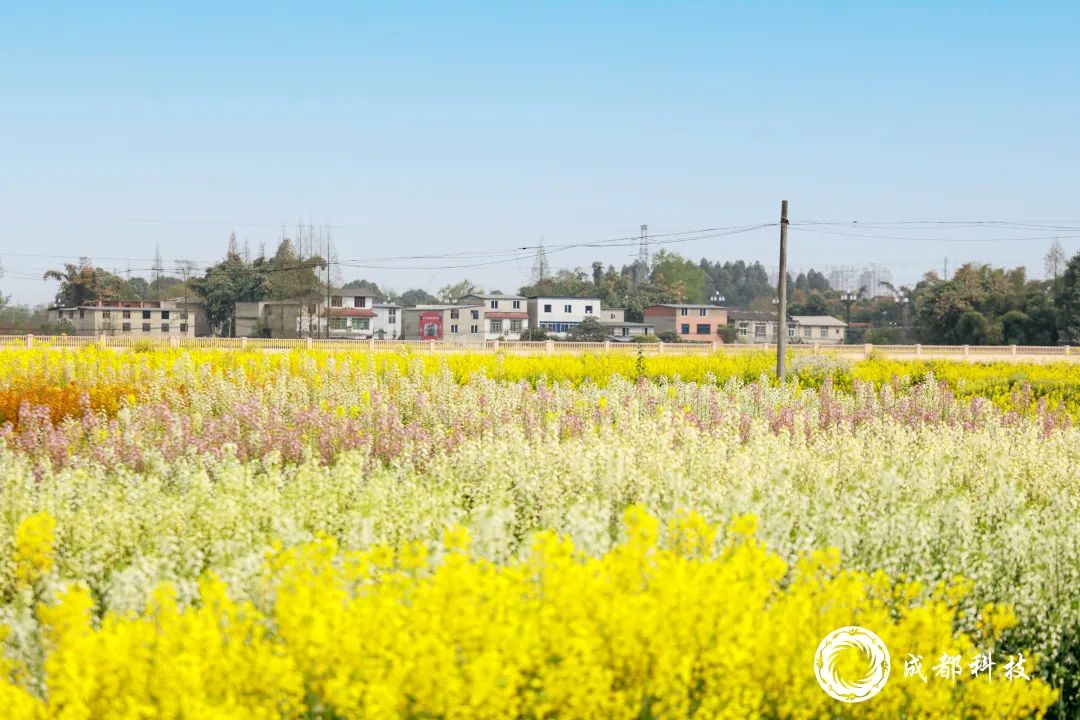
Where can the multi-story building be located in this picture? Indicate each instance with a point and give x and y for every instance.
(444, 322)
(757, 326)
(559, 315)
(350, 313)
(819, 329)
(505, 316)
(688, 322)
(386, 325)
(128, 318)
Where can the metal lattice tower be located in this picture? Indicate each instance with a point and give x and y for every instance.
(643, 248)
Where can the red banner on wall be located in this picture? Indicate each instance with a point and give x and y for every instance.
(431, 325)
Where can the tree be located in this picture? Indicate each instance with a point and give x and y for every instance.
(682, 278)
(364, 286)
(455, 291)
(223, 285)
(1068, 303)
(82, 283)
(416, 296)
(1054, 260)
(3, 297)
(589, 330)
(534, 334)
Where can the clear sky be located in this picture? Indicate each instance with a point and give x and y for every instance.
(428, 128)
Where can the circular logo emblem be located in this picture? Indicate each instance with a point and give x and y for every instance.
(863, 684)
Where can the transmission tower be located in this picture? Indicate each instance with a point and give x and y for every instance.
(540, 269)
(643, 248)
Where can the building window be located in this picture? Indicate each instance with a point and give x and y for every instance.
(568, 309)
(496, 326)
(684, 311)
(145, 314)
(547, 308)
(791, 331)
(392, 320)
(515, 326)
(126, 327)
(494, 304)
(339, 323)
(164, 314)
(517, 304)
(824, 332)
(82, 313)
(807, 332)
(335, 301)
(625, 332)
(360, 301)
(759, 330)
(164, 327)
(474, 328)
(588, 309)
(454, 314)
(702, 329)
(104, 313)
(146, 327)
(183, 328)
(362, 323)
(702, 312)
(127, 314)
(685, 328)
(744, 328)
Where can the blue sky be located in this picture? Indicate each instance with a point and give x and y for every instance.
(426, 128)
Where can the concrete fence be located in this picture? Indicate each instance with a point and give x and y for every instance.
(970, 353)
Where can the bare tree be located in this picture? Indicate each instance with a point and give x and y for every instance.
(185, 269)
(1054, 260)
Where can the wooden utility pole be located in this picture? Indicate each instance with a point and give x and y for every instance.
(328, 283)
(781, 306)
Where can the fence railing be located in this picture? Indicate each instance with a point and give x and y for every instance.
(930, 352)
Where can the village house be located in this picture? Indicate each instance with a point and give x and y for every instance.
(820, 329)
(688, 322)
(128, 318)
(505, 316)
(444, 322)
(757, 326)
(557, 316)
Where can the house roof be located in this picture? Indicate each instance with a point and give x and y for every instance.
(489, 296)
(561, 297)
(446, 307)
(506, 315)
(819, 320)
(756, 315)
(688, 305)
(349, 312)
(626, 323)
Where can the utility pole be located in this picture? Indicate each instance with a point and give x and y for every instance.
(945, 276)
(781, 307)
(328, 284)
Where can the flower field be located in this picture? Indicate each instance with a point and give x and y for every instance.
(315, 534)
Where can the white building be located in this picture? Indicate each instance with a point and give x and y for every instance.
(559, 315)
(505, 316)
(137, 319)
(386, 325)
(351, 313)
(819, 329)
